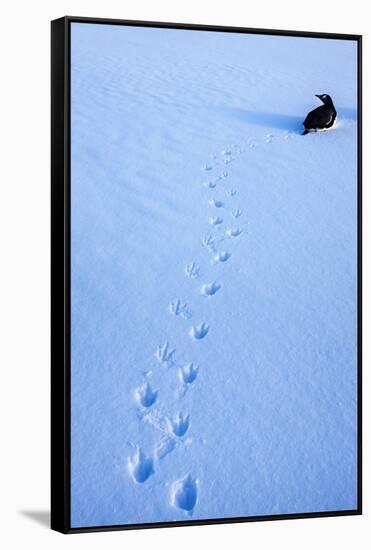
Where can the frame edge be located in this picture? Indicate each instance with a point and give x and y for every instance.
(60, 479)
(359, 273)
(60, 269)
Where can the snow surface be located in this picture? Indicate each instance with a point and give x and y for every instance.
(213, 276)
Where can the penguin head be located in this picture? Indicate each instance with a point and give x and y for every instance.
(325, 98)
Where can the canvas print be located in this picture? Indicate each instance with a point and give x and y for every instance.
(213, 275)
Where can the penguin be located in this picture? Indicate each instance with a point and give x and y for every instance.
(321, 118)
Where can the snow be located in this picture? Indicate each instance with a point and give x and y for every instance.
(213, 276)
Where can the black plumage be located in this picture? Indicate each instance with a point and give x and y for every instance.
(321, 118)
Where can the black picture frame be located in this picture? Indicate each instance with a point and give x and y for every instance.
(61, 279)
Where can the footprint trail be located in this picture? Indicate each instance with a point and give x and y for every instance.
(173, 425)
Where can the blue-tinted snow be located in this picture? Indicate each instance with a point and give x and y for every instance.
(213, 276)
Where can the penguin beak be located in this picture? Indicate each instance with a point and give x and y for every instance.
(318, 95)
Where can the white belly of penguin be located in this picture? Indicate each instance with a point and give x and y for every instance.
(324, 129)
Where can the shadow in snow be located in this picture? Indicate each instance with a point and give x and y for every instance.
(345, 113)
(281, 121)
(268, 120)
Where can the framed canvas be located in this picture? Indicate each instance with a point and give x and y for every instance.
(206, 274)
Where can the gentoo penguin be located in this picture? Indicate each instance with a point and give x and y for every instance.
(321, 118)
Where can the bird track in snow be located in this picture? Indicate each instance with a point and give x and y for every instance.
(211, 184)
(146, 396)
(179, 425)
(184, 493)
(181, 309)
(209, 242)
(216, 203)
(216, 220)
(198, 332)
(210, 289)
(165, 355)
(188, 373)
(234, 232)
(192, 271)
(140, 466)
(222, 257)
(236, 213)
